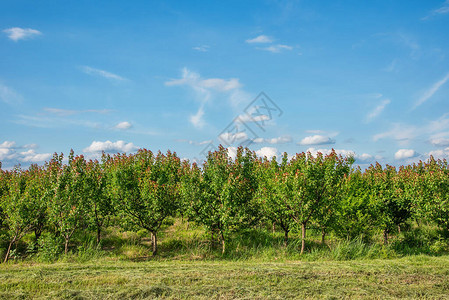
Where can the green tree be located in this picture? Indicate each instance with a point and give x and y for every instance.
(22, 204)
(309, 184)
(220, 197)
(99, 206)
(67, 206)
(145, 188)
(270, 197)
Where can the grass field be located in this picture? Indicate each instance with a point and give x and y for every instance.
(409, 277)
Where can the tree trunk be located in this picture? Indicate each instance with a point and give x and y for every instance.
(66, 246)
(273, 227)
(323, 236)
(223, 243)
(285, 238)
(37, 233)
(98, 235)
(385, 236)
(154, 242)
(399, 229)
(8, 251)
(303, 239)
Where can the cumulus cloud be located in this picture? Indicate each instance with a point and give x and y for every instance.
(377, 110)
(123, 125)
(342, 152)
(17, 33)
(267, 152)
(111, 147)
(405, 153)
(316, 140)
(10, 153)
(33, 157)
(102, 73)
(261, 39)
(232, 138)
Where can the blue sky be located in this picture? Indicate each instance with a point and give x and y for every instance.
(362, 77)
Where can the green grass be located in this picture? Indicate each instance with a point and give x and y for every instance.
(408, 277)
(256, 265)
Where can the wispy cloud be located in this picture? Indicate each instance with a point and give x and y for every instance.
(405, 133)
(8, 95)
(261, 39)
(197, 119)
(401, 133)
(430, 92)
(205, 88)
(102, 73)
(68, 112)
(17, 33)
(202, 48)
(377, 110)
(277, 48)
(444, 9)
(276, 140)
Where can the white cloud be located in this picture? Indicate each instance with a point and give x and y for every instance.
(404, 133)
(205, 88)
(268, 152)
(342, 152)
(377, 110)
(400, 132)
(248, 118)
(203, 48)
(232, 152)
(108, 146)
(364, 157)
(277, 140)
(10, 155)
(444, 9)
(316, 140)
(67, 112)
(123, 125)
(195, 81)
(440, 153)
(231, 138)
(404, 153)
(440, 142)
(8, 95)
(261, 39)
(277, 48)
(33, 157)
(108, 75)
(197, 119)
(17, 33)
(430, 92)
